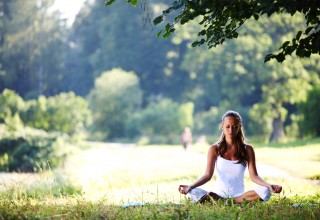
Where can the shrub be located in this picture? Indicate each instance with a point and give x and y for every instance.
(65, 112)
(310, 123)
(161, 121)
(11, 104)
(207, 122)
(115, 96)
(28, 150)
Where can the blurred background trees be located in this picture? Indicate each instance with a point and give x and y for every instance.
(109, 78)
(115, 96)
(32, 48)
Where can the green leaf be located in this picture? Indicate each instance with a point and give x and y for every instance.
(110, 2)
(285, 44)
(235, 35)
(308, 30)
(133, 2)
(167, 27)
(256, 16)
(195, 44)
(298, 35)
(280, 57)
(166, 35)
(268, 57)
(158, 20)
(159, 33)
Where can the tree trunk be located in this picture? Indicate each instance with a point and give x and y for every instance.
(277, 130)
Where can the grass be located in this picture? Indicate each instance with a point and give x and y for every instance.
(303, 161)
(98, 181)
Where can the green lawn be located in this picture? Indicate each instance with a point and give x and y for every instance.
(300, 161)
(98, 181)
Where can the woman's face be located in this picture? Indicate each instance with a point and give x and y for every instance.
(230, 126)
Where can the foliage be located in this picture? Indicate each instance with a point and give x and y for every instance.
(31, 48)
(231, 76)
(185, 113)
(102, 40)
(11, 105)
(64, 112)
(207, 122)
(114, 98)
(161, 121)
(310, 122)
(221, 20)
(28, 150)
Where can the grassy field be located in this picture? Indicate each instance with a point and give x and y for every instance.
(99, 181)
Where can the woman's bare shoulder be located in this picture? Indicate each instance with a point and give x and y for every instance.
(249, 148)
(213, 149)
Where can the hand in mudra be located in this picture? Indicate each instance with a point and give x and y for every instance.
(276, 188)
(184, 189)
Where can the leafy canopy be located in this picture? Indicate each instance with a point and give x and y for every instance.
(221, 19)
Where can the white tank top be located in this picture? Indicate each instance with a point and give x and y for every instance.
(229, 178)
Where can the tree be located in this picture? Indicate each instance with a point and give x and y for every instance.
(161, 121)
(115, 96)
(220, 20)
(231, 76)
(309, 108)
(103, 40)
(31, 48)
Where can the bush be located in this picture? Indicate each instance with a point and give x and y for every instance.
(310, 123)
(65, 112)
(207, 122)
(28, 150)
(11, 104)
(161, 121)
(115, 96)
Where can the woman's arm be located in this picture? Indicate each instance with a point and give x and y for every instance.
(254, 173)
(211, 159)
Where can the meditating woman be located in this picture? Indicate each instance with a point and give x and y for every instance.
(228, 159)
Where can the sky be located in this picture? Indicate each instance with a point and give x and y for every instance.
(69, 9)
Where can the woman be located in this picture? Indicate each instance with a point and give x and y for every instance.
(229, 159)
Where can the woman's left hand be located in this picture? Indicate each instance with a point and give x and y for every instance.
(184, 189)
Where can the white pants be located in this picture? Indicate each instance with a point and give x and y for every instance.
(263, 192)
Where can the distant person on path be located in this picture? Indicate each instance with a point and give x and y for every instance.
(229, 158)
(186, 138)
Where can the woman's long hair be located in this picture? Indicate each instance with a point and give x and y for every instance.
(241, 153)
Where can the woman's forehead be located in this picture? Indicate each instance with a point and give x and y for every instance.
(231, 120)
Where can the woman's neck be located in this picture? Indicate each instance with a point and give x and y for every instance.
(230, 142)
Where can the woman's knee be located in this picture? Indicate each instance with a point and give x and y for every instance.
(249, 196)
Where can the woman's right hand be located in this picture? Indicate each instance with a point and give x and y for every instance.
(184, 189)
(276, 188)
